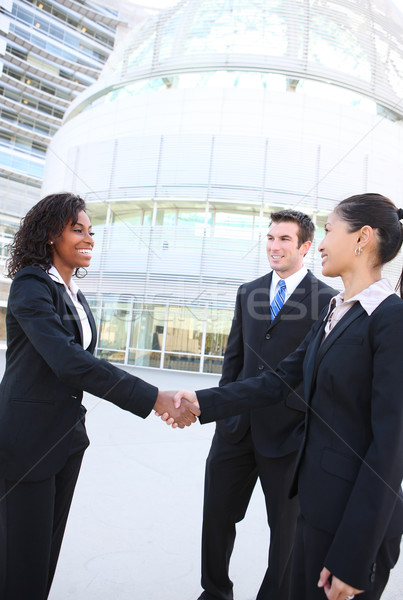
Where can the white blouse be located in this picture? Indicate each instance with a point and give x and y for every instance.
(72, 291)
(370, 299)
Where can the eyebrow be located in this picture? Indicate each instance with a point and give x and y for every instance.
(285, 235)
(81, 225)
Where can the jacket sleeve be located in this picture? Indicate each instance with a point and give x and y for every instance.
(374, 495)
(267, 389)
(234, 353)
(32, 304)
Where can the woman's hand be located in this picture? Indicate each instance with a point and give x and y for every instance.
(334, 588)
(185, 395)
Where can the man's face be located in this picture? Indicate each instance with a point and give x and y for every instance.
(282, 248)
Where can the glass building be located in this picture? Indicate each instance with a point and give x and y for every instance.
(208, 117)
(50, 51)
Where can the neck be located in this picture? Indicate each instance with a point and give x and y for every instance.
(354, 283)
(65, 273)
(284, 275)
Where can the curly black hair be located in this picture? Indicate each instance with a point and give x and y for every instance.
(43, 223)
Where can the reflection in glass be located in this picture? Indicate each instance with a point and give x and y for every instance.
(114, 323)
(185, 329)
(182, 362)
(218, 327)
(147, 327)
(111, 355)
(162, 336)
(144, 358)
(213, 365)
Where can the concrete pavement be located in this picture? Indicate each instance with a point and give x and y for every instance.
(134, 527)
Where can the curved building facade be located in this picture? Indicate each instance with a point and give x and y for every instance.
(207, 118)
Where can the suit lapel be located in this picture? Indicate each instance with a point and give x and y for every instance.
(74, 314)
(310, 361)
(261, 304)
(298, 296)
(76, 317)
(91, 319)
(355, 311)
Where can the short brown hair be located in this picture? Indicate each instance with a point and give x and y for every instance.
(306, 228)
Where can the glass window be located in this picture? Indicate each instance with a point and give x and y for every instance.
(217, 331)
(147, 327)
(114, 326)
(213, 365)
(97, 214)
(147, 217)
(185, 329)
(111, 355)
(229, 225)
(145, 358)
(182, 362)
(187, 218)
(166, 217)
(130, 215)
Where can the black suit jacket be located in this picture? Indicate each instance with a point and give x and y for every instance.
(47, 370)
(350, 464)
(256, 343)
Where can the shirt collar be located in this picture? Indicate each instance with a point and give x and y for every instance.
(370, 298)
(292, 281)
(55, 275)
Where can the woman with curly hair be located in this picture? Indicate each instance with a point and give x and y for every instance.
(50, 339)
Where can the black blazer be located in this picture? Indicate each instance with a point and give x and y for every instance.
(47, 370)
(350, 464)
(255, 344)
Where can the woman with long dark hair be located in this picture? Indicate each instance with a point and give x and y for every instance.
(350, 465)
(50, 339)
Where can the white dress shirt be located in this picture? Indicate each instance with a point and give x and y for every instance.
(291, 283)
(72, 291)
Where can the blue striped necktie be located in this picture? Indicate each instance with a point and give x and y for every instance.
(278, 299)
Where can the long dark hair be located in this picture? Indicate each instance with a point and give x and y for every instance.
(43, 222)
(381, 214)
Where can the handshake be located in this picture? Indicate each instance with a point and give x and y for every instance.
(178, 409)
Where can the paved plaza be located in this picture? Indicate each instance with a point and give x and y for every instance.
(134, 527)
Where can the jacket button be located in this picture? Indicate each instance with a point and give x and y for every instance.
(267, 336)
(260, 367)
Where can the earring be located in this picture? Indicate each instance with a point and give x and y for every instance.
(51, 243)
(358, 251)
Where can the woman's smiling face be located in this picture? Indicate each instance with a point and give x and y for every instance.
(337, 247)
(73, 248)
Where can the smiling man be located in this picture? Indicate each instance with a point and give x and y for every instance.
(272, 316)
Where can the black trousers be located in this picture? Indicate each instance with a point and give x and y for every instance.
(33, 518)
(231, 474)
(311, 546)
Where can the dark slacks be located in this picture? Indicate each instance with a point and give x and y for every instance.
(231, 474)
(310, 549)
(33, 518)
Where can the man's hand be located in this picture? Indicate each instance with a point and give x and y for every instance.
(180, 416)
(334, 588)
